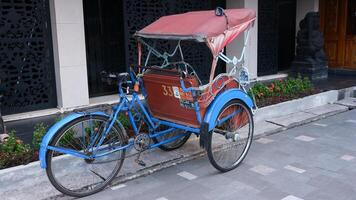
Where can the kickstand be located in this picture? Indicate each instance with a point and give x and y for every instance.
(140, 162)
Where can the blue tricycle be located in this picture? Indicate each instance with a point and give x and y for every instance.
(164, 104)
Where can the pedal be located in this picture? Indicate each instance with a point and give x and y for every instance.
(140, 162)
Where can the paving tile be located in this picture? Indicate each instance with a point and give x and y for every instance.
(292, 119)
(231, 189)
(190, 191)
(187, 175)
(347, 157)
(265, 128)
(327, 109)
(291, 197)
(162, 198)
(294, 169)
(337, 188)
(262, 169)
(116, 187)
(264, 140)
(319, 194)
(304, 138)
(273, 192)
(319, 124)
(349, 102)
(351, 121)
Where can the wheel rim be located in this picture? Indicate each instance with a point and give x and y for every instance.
(232, 136)
(78, 176)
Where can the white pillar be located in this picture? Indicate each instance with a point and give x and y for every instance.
(67, 23)
(235, 48)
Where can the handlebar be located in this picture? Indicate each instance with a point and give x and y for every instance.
(120, 79)
(109, 77)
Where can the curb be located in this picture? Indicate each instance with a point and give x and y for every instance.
(296, 105)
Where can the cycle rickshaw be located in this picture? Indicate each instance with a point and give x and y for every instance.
(83, 152)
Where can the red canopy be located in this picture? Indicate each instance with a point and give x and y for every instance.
(203, 26)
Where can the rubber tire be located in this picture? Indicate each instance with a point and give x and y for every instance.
(118, 127)
(209, 148)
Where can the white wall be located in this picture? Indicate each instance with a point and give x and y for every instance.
(303, 7)
(69, 53)
(235, 48)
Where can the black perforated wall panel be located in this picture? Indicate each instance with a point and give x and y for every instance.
(26, 62)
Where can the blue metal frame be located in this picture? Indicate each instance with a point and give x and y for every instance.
(125, 105)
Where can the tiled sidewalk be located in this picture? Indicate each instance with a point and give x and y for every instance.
(312, 161)
(15, 183)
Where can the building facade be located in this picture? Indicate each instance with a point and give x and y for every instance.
(52, 51)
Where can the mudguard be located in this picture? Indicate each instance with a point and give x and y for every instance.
(213, 111)
(219, 102)
(55, 128)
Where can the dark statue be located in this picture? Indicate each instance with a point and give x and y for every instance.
(310, 60)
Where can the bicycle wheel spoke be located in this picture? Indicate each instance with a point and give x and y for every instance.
(102, 178)
(70, 143)
(77, 176)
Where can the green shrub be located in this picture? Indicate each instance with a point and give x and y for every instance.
(290, 87)
(38, 133)
(14, 152)
(14, 145)
(124, 119)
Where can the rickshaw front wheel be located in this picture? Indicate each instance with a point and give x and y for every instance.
(79, 177)
(231, 139)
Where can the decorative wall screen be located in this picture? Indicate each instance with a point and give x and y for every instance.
(26, 60)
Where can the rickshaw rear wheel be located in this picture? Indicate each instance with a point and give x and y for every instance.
(172, 145)
(225, 141)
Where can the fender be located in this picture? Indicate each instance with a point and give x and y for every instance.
(55, 128)
(219, 102)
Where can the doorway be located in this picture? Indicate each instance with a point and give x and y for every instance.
(286, 17)
(276, 35)
(105, 43)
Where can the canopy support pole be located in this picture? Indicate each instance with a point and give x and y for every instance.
(234, 60)
(227, 60)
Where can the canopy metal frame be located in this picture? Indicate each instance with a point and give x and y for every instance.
(238, 63)
(239, 71)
